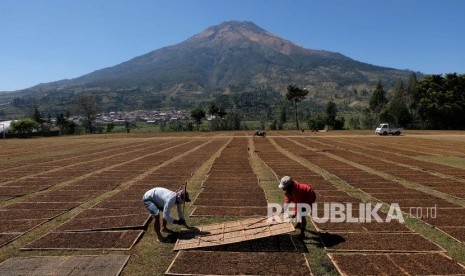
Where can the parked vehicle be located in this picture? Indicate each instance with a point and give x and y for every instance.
(386, 129)
(260, 133)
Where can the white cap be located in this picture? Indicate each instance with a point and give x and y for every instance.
(285, 182)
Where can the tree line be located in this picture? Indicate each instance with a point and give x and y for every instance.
(434, 102)
(224, 114)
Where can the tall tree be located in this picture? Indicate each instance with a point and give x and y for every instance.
(295, 95)
(36, 115)
(376, 106)
(86, 106)
(65, 124)
(38, 118)
(378, 99)
(212, 111)
(331, 113)
(198, 114)
(411, 91)
(412, 99)
(397, 107)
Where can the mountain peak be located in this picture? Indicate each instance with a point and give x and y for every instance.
(235, 33)
(232, 30)
(241, 27)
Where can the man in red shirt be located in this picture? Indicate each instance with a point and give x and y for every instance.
(296, 193)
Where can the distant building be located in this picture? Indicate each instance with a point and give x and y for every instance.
(6, 126)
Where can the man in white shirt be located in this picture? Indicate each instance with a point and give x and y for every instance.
(161, 199)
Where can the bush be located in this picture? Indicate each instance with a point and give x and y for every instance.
(317, 122)
(339, 123)
(24, 127)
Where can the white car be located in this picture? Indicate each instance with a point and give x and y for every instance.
(385, 129)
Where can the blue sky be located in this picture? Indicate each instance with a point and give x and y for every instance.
(49, 40)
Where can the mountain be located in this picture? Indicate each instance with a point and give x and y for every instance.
(235, 53)
(231, 55)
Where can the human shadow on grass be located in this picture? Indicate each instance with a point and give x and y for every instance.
(185, 234)
(190, 233)
(171, 238)
(326, 239)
